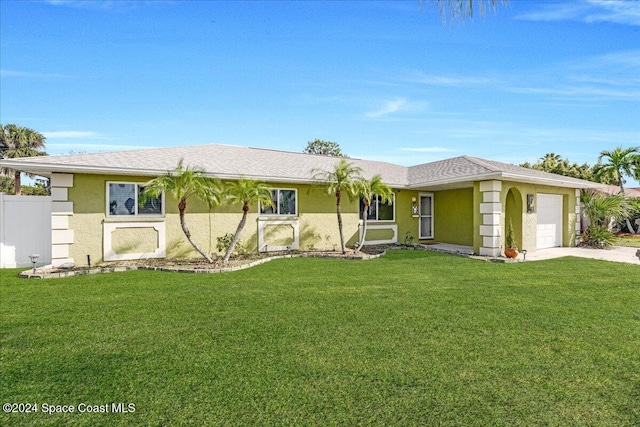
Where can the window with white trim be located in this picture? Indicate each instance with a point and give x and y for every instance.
(379, 211)
(123, 199)
(285, 202)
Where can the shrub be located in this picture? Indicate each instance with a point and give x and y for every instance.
(224, 242)
(597, 236)
(510, 238)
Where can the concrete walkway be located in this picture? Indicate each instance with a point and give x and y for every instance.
(616, 253)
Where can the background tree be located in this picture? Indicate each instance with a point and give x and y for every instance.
(618, 164)
(339, 181)
(554, 163)
(181, 184)
(246, 192)
(368, 190)
(325, 148)
(17, 141)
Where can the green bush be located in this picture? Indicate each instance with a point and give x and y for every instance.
(597, 236)
(224, 242)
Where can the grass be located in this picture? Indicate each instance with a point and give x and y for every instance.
(413, 338)
(630, 241)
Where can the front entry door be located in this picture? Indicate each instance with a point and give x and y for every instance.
(426, 216)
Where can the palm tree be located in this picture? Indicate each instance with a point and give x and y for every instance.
(183, 183)
(246, 192)
(619, 163)
(341, 180)
(368, 190)
(17, 141)
(461, 9)
(600, 209)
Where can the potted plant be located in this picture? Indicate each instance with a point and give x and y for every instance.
(511, 250)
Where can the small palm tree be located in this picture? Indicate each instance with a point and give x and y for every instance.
(341, 180)
(600, 209)
(368, 190)
(17, 141)
(245, 192)
(620, 163)
(183, 183)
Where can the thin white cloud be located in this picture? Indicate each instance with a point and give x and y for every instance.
(626, 12)
(389, 107)
(614, 76)
(449, 80)
(396, 105)
(426, 149)
(107, 5)
(81, 148)
(29, 74)
(71, 134)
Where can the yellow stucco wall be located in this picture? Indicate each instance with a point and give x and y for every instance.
(134, 240)
(456, 220)
(316, 216)
(527, 235)
(525, 224)
(453, 216)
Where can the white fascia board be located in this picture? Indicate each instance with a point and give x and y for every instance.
(556, 182)
(471, 178)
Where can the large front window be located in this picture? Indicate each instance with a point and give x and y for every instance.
(284, 202)
(124, 198)
(378, 211)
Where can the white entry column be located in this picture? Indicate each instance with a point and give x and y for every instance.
(578, 220)
(491, 212)
(61, 210)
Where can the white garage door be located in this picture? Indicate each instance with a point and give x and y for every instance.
(549, 221)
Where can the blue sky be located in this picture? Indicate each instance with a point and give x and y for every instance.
(386, 80)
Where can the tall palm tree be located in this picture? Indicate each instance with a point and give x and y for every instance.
(245, 192)
(183, 183)
(620, 163)
(368, 190)
(17, 141)
(341, 180)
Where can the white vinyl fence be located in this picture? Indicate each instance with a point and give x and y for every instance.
(25, 229)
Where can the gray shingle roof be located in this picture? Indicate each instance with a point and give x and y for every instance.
(467, 168)
(226, 161)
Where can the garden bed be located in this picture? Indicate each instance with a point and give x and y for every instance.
(199, 265)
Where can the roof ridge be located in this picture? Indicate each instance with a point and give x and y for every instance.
(482, 162)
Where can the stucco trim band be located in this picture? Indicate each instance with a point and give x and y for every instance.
(111, 255)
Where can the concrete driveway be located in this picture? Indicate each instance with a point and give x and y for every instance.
(616, 253)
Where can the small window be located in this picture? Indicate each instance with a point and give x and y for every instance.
(124, 199)
(378, 211)
(285, 202)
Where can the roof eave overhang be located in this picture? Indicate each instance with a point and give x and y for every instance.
(502, 176)
(453, 181)
(552, 181)
(46, 169)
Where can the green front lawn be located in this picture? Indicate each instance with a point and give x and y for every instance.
(412, 338)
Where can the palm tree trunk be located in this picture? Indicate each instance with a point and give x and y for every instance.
(182, 206)
(236, 237)
(364, 227)
(338, 197)
(17, 184)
